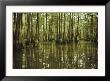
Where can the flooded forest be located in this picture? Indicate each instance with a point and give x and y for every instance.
(55, 40)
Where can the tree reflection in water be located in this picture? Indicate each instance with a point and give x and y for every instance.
(49, 55)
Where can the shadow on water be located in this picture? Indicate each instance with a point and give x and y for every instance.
(49, 55)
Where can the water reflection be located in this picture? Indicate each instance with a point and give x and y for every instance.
(48, 55)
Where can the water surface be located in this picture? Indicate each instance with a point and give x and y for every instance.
(49, 55)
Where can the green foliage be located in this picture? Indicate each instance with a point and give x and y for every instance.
(60, 27)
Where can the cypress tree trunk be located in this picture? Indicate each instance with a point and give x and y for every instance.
(59, 29)
(37, 26)
(64, 28)
(46, 28)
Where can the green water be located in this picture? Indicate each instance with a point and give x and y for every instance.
(49, 55)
